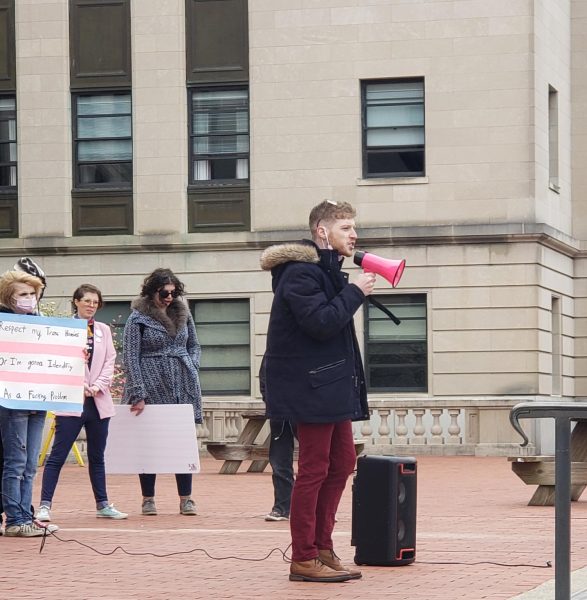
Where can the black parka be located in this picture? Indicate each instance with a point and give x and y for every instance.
(312, 368)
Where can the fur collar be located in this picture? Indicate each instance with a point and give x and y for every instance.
(173, 319)
(283, 253)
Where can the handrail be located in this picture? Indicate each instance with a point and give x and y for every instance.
(563, 413)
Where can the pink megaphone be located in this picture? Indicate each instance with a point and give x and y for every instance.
(386, 267)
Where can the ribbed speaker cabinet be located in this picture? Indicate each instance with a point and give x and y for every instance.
(384, 511)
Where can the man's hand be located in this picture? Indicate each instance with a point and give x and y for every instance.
(138, 408)
(365, 282)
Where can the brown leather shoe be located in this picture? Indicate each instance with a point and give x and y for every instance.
(315, 570)
(329, 558)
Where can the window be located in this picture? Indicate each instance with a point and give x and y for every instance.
(553, 139)
(219, 135)
(100, 78)
(7, 143)
(393, 128)
(8, 172)
(223, 328)
(396, 356)
(556, 354)
(103, 141)
(217, 75)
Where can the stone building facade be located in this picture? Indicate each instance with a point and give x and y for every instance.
(194, 133)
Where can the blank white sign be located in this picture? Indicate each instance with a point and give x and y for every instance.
(162, 439)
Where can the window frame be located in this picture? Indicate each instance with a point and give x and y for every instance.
(199, 184)
(364, 130)
(77, 185)
(367, 343)
(248, 345)
(10, 189)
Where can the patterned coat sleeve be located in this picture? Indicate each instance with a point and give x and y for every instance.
(134, 386)
(193, 346)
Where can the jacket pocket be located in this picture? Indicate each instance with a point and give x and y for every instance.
(328, 373)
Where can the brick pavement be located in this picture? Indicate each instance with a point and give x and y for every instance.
(470, 510)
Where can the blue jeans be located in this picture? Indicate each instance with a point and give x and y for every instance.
(22, 433)
(66, 431)
(281, 448)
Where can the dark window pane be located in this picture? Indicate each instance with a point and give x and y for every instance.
(7, 130)
(106, 173)
(7, 176)
(6, 153)
(223, 168)
(395, 162)
(104, 150)
(107, 104)
(397, 356)
(220, 126)
(103, 127)
(393, 128)
(224, 333)
(103, 142)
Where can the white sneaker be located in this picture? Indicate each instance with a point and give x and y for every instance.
(109, 512)
(43, 514)
(29, 530)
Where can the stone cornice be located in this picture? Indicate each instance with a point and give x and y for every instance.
(506, 233)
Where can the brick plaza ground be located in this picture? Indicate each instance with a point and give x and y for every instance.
(472, 512)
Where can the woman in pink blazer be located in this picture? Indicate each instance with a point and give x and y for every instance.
(98, 408)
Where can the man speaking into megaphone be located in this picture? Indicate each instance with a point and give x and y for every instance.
(314, 378)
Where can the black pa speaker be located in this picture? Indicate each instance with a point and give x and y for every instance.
(384, 511)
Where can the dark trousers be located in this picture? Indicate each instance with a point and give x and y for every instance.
(183, 480)
(66, 431)
(326, 459)
(281, 448)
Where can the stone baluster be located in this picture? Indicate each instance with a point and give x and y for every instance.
(401, 429)
(454, 430)
(232, 429)
(367, 429)
(419, 439)
(384, 439)
(436, 429)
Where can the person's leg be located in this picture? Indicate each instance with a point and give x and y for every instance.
(148, 490)
(281, 449)
(147, 481)
(184, 484)
(66, 431)
(13, 428)
(97, 434)
(184, 488)
(34, 439)
(342, 464)
(313, 464)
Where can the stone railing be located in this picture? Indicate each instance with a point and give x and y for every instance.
(403, 426)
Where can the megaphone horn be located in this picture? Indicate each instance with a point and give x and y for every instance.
(386, 267)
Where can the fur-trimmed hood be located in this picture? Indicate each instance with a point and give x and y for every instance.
(173, 319)
(280, 254)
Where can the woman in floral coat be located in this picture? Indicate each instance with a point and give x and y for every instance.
(161, 356)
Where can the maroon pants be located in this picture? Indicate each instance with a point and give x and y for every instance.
(327, 458)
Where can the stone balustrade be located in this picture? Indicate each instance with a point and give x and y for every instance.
(403, 426)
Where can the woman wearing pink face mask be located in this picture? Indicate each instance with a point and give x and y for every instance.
(21, 430)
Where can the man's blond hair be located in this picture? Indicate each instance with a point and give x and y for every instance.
(328, 211)
(8, 280)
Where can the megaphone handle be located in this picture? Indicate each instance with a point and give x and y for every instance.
(383, 309)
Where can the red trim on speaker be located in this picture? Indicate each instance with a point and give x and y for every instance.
(407, 468)
(410, 551)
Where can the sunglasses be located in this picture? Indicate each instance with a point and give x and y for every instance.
(166, 293)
